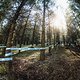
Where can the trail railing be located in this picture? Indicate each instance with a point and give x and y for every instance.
(9, 56)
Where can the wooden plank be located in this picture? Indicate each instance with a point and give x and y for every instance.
(9, 54)
(26, 49)
(2, 46)
(6, 59)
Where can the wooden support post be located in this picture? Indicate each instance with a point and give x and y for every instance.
(3, 52)
(10, 68)
(42, 55)
(50, 50)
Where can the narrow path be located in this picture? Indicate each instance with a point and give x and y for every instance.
(61, 65)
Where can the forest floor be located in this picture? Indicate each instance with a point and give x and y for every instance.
(61, 65)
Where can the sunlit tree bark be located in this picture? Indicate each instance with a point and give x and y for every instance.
(42, 54)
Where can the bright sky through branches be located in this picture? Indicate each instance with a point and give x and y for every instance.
(58, 20)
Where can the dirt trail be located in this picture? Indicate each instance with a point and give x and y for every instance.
(61, 65)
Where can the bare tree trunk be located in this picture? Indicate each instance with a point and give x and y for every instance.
(54, 40)
(24, 29)
(12, 24)
(50, 32)
(42, 54)
(11, 36)
(33, 36)
(64, 41)
(49, 40)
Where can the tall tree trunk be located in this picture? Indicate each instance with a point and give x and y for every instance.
(63, 36)
(22, 36)
(50, 32)
(42, 54)
(54, 40)
(33, 36)
(49, 40)
(10, 38)
(12, 24)
(24, 29)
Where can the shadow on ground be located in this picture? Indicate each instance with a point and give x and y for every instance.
(55, 67)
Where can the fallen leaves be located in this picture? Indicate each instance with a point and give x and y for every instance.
(55, 67)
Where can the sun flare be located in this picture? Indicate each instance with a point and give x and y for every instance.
(58, 21)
